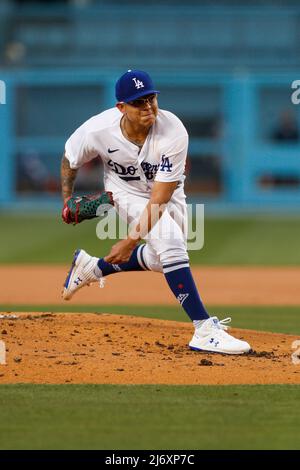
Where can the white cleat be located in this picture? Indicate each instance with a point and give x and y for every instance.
(81, 274)
(212, 337)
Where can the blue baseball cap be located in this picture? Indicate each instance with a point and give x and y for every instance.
(134, 84)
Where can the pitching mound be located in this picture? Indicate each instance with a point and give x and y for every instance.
(114, 349)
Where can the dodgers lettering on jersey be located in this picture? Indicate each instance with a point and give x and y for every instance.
(149, 170)
(162, 157)
(125, 173)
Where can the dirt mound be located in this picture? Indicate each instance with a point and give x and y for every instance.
(114, 349)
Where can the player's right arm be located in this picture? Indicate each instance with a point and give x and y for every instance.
(78, 150)
(68, 176)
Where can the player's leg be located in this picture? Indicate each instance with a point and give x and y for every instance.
(86, 269)
(169, 242)
(143, 258)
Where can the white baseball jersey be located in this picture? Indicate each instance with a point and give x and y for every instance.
(162, 157)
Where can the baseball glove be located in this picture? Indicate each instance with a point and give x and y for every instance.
(77, 209)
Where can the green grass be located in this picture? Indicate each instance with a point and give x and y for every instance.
(242, 241)
(155, 417)
(256, 241)
(149, 417)
(274, 319)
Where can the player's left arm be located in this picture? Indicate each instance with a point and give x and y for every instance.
(160, 196)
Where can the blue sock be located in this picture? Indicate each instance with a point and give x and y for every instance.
(135, 263)
(182, 284)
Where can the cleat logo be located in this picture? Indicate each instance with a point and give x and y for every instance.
(182, 297)
(116, 267)
(78, 281)
(215, 343)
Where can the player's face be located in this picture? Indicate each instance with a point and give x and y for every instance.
(142, 111)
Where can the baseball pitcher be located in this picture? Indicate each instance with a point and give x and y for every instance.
(143, 150)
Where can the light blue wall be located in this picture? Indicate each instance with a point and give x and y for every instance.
(162, 37)
(43, 107)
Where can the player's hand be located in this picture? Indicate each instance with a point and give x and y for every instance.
(121, 251)
(88, 206)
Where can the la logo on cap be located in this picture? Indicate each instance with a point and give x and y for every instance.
(138, 83)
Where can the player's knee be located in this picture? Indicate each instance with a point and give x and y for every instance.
(175, 254)
(151, 259)
(162, 252)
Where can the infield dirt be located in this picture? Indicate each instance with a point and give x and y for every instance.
(42, 284)
(112, 349)
(90, 348)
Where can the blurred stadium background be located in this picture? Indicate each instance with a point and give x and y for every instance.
(226, 68)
